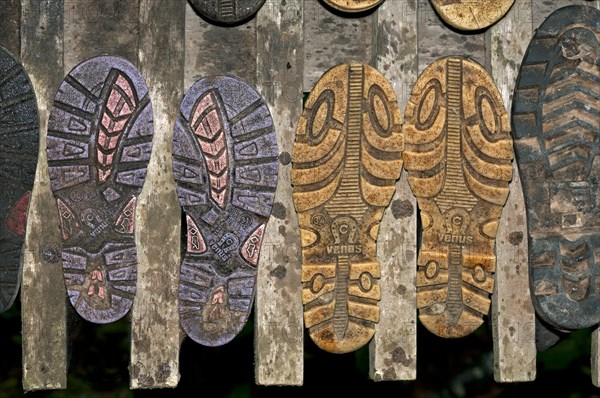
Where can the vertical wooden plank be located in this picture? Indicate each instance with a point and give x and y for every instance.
(10, 32)
(393, 350)
(212, 49)
(279, 328)
(155, 313)
(43, 295)
(93, 28)
(541, 10)
(513, 315)
(334, 38)
(437, 40)
(514, 319)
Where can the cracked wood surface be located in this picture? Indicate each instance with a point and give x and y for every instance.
(470, 15)
(393, 349)
(513, 316)
(44, 326)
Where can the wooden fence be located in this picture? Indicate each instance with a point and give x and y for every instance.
(282, 51)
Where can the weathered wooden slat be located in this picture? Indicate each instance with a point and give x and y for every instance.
(43, 294)
(212, 49)
(93, 28)
(513, 315)
(437, 40)
(279, 328)
(10, 32)
(155, 315)
(393, 349)
(332, 39)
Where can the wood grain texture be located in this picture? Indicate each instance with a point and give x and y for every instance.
(393, 349)
(513, 315)
(279, 331)
(94, 28)
(212, 49)
(332, 39)
(43, 294)
(227, 12)
(91, 29)
(437, 40)
(155, 317)
(458, 157)
(540, 11)
(10, 32)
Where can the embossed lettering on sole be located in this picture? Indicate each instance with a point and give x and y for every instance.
(227, 11)
(471, 15)
(556, 120)
(225, 166)
(458, 157)
(99, 143)
(353, 5)
(19, 136)
(347, 156)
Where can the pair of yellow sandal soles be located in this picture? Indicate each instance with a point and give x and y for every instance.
(349, 151)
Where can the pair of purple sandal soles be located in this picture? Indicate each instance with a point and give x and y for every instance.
(225, 165)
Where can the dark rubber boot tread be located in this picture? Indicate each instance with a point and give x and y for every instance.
(556, 122)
